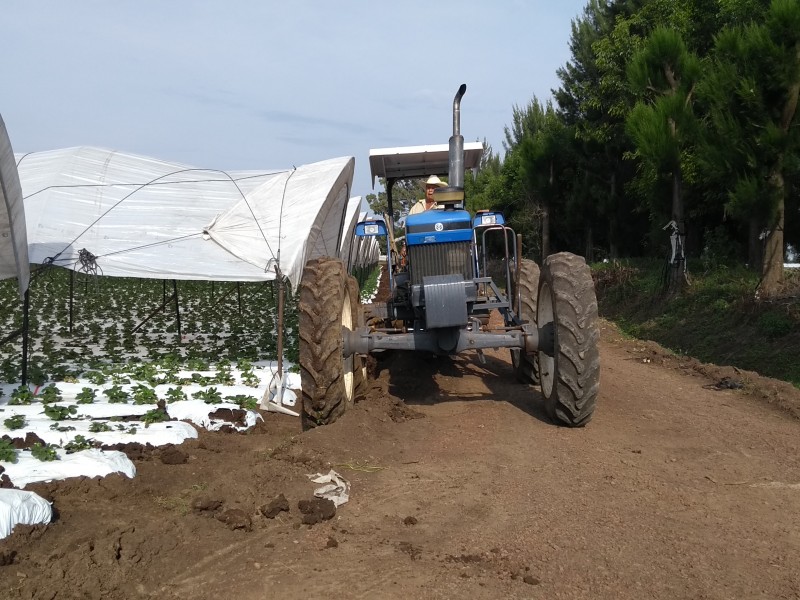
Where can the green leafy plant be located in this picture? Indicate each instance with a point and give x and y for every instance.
(78, 443)
(59, 413)
(250, 379)
(86, 395)
(37, 375)
(95, 377)
(21, 395)
(45, 452)
(176, 394)
(7, 452)
(116, 395)
(199, 379)
(51, 393)
(209, 396)
(244, 401)
(62, 428)
(155, 415)
(120, 378)
(99, 427)
(197, 364)
(15, 422)
(143, 394)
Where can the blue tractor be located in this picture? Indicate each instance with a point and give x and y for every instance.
(442, 297)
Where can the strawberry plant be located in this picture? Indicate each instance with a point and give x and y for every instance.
(50, 394)
(209, 396)
(15, 422)
(45, 452)
(21, 395)
(250, 379)
(77, 444)
(143, 394)
(176, 394)
(7, 451)
(59, 427)
(59, 413)
(244, 401)
(155, 415)
(95, 377)
(116, 395)
(86, 395)
(99, 427)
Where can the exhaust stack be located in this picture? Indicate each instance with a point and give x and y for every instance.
(456, 167)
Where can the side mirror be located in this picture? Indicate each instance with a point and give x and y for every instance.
(371, 228)
(488, 218)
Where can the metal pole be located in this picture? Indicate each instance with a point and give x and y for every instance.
(25, 307)
(518, 269)
(71, 296)
(279, 279)
(177, 308)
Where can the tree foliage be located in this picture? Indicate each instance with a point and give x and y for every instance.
(665, 109)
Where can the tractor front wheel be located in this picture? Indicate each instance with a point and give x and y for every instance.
(325, 306)
(569, 360)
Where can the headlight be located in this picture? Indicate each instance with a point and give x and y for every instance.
(371, 229)
(488, 219)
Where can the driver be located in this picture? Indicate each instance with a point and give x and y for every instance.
(428, 202)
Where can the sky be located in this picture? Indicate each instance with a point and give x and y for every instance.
(261, 84)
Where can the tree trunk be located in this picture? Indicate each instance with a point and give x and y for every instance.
(588, 249)
(754, 254)
(677, 272)
(613, 247)
(772, 272)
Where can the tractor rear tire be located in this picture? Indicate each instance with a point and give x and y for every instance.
(359, 362)
(567, 310)
(525, 365)
(324, 307)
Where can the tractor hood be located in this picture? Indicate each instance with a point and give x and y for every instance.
(436, 226)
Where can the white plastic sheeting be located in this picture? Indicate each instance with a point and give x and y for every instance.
(13, 240)
(358, 252)
(347, 250)
(18, 507)
(134, 216)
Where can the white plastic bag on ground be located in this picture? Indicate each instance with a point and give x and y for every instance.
(336, 488)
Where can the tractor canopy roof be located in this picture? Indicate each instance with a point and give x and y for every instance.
(419, 161)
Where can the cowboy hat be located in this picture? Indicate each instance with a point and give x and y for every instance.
(434, 180)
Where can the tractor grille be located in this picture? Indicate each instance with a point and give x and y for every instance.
(449, 258)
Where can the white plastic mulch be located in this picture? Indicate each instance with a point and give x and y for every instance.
(21, 507)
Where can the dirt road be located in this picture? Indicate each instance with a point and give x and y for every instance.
(464, 490)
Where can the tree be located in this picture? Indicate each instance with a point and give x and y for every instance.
(752, 90)
(662, 125)
(545, 152)
(404, 194)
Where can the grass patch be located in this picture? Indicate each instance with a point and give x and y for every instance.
(716, 318)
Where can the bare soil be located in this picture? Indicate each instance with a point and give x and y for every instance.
(460, 488)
